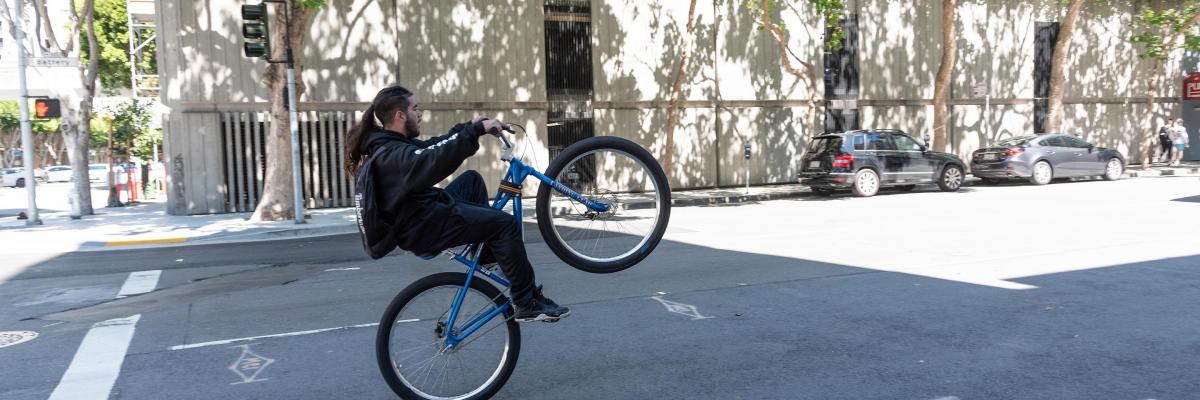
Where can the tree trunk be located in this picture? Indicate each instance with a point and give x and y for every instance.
(277, 199)
(76, 124)
(1148, 138)
(677, 92)
(941, 85)
(1058, 64)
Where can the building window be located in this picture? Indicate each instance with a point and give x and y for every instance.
(568, 73)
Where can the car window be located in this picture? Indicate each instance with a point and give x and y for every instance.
(905, 143)
(876, 141)
(1056, 141)
(860, 142)
(825, 144)
(1015, 141)
(1072, 141)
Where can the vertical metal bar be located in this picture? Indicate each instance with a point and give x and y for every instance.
(230, 158)
(239, 161)
(339, 137)
(254, 177)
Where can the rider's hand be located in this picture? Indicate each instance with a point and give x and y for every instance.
(494, 126)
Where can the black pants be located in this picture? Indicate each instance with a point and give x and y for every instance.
(1166, 147)
(473, 221)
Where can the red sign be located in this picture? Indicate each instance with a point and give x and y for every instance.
(1191, 86)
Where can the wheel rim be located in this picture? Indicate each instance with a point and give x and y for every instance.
(626, 184)
(867, 182)
(420, 359)
(1041, 172)
(953, 177)
(1114, 168)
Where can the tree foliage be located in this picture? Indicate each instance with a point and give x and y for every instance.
(1158, 27)
(131, 131)
(830, 10)
(112, 33)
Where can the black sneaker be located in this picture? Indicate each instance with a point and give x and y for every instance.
(540, 308)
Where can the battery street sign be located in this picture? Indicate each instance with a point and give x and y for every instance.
(52, 62)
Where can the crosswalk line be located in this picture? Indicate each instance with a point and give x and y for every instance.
(97, 363)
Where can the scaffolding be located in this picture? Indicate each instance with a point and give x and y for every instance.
(142, 33)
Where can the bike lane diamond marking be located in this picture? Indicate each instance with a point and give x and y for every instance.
(12, 338)
(680, 308)
(249, 364)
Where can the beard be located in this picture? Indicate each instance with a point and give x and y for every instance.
(412, 127)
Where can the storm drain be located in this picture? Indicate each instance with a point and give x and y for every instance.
(15, 337)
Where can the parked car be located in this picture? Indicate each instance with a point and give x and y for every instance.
(866, 160)
(57, 173)
(1040, 159)
(12, 177)
(98, 172)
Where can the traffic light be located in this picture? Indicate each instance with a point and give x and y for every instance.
(46, 108)
(254, 30)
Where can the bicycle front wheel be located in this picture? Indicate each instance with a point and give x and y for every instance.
(411, 345)
(620, 174)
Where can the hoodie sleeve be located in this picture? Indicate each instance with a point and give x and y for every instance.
(423, 166)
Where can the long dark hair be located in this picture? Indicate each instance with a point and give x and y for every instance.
(382, 109)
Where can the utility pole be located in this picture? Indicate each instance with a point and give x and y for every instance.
(26, 127)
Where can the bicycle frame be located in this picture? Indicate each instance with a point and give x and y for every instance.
(469, 255)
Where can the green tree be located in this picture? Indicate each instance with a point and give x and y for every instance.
(112, 34)
(1160, 33)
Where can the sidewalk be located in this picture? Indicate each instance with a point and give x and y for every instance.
(148, 224)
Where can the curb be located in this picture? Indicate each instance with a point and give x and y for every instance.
(267, 234)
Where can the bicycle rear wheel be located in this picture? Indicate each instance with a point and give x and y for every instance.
(411, 342)
(616, 172)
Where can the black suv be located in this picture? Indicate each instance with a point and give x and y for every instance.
(866, 160)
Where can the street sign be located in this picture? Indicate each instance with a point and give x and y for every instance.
(54, 62)
(1191, 86)
(980, 89)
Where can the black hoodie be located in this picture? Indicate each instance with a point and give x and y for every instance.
(396, 202)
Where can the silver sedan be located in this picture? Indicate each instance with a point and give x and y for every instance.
(1040, 159)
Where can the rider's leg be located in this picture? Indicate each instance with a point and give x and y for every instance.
(472, 220)
(469, 187)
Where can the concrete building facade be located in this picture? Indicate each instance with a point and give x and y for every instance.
(571, 68)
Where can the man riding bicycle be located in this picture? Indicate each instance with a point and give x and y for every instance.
(399, 206)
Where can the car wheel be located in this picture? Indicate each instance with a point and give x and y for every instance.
(20, 183)
(1114, 169)
(822, 192)
(906, 188)
(866, 183)
(951, 178)
(1043, 173)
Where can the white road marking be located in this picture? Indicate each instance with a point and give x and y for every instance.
(140, 282)
(278, 335)
(680, 308)
(97, 363)
(249, 364)
(343, 269)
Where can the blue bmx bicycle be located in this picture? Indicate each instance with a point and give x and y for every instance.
(602, 207)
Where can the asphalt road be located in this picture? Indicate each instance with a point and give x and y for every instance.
(1070, 291)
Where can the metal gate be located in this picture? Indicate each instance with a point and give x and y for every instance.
(322, 134)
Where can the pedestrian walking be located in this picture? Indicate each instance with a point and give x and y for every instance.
(1179, 137)
(1165, 146)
